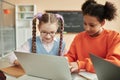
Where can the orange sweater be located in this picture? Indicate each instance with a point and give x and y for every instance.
(106, 45)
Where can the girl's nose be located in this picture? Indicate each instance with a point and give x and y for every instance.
(87, 28)
(48, 36)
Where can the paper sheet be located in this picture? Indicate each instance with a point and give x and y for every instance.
(5, 62)
(88, 75)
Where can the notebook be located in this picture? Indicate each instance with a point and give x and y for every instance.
(44, 67)
(88, 75)
(105, 70)
(4, 61)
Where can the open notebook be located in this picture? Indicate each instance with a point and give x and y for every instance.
(88, 75)
(4, 61)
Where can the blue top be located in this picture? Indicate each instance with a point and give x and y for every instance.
(41, 50)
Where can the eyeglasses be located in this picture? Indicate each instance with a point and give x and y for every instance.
(46, 33)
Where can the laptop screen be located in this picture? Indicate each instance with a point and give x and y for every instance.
(105, 70)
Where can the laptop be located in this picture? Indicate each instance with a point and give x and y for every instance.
(105, 70)
(44, 67)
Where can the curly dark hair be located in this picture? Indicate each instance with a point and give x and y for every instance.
(107, 11)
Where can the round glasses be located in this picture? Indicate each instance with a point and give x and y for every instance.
(46, 33)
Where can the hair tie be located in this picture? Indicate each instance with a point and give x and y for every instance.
(59, 17)
(38, 15)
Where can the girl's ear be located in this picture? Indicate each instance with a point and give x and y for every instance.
(103, 22)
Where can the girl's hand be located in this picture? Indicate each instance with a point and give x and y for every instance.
(16, 62)
(73, 67)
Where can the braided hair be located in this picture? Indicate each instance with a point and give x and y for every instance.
(45, 18)
(61, 23)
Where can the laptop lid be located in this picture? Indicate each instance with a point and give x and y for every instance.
(105, 70)
(44, 66)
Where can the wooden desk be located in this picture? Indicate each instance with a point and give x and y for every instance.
(14, 72)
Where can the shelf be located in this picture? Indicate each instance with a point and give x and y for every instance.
(26, 12)
(26, 8)
(24, 17)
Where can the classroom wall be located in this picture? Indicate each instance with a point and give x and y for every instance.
(43, 5)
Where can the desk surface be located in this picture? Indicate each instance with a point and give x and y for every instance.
(17, 71)
(75, 77)
(14, 73)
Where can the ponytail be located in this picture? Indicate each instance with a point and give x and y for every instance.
(110, 11)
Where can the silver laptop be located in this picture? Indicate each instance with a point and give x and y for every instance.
(44, 66)
(105, 70)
